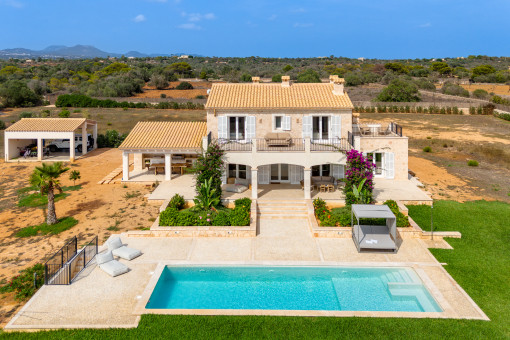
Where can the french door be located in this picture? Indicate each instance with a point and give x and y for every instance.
(279, 173)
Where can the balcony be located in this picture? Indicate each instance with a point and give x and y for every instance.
(288, 145)
(377, 130)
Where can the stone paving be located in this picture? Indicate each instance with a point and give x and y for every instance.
(97, 300)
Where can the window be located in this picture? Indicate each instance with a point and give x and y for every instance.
(236, 128)
(320, 127)
(377, 158)
(278, 122)
(237, 171)
(321, 170)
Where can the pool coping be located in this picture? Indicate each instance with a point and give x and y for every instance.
(447, 313)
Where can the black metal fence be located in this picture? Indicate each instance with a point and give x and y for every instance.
(234, 145)
(67, 263)
(396, 129)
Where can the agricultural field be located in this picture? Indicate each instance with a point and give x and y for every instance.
(199, 89)
(499, 89)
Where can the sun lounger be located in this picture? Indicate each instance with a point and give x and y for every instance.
(109, 265)
(118, 249)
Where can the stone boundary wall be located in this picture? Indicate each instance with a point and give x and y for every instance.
(200, 231)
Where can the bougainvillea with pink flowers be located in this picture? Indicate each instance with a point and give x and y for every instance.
(358, 168)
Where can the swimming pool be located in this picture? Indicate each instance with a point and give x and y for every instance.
(292, 288)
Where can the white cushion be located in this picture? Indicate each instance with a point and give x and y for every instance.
(114, 268)
(103, 258)
(114, 243)
(242, 181)
(127, 253)
(238, 188)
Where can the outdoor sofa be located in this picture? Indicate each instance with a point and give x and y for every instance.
(278, 139)
(240, 185)
(109, 265)
(118, 249)
(323, 180)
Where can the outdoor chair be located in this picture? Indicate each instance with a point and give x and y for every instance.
(109, 265)
(118, 249)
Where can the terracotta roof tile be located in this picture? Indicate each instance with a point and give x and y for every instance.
(46, 124)
(165, 135)
(268, 96)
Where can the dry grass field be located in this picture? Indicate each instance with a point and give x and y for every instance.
(494, 88)
(199, 89)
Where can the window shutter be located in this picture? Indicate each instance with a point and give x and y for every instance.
(336, 126)
(307, 126)
(286, 123)
(263, 173)
(390, 164)
(222, 127)
(224, 175)
(295, 174)
(250, 128)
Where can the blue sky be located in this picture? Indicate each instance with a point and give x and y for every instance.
(371, 29)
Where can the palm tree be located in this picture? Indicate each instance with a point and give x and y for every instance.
(74, 175)
(45, 178)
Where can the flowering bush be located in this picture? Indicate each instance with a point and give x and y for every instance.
(23, 284)
(209, 166)
(359, 168)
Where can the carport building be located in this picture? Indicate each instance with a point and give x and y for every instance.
(39, 131)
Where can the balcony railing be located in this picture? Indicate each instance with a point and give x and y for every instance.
(285, 145)
(377, 130)
(331, 144)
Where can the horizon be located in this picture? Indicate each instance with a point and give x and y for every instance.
(297, 29)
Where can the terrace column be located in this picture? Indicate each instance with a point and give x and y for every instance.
(84, 141)
(307, 144)
(168, 166)
(125, 166)
(71, 147)
(39, 149)
(94, 135)
(254, 183)
(307, 183)
(7, 147)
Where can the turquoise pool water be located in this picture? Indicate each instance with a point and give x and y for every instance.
(292, 288)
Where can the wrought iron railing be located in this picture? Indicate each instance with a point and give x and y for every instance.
(377, 130)
(330, 144)
(286, 145)
(63, 273)
(234, 145)
(396, 129)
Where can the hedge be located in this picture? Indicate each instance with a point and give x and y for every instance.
(80, 100)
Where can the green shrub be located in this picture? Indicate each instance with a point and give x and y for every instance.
(64, 114)
(480, 94)
(277, 78)
(472, 162)
(23, 284)
(205, 218)
(26, 115)
(454, 90)
(177, 201)
(163, 95)
(427, 149)
(200, 96)
(402, 220)
(222, 218)
(184, 85)
(168, 217)
(244, 203)
(2, 125)
(240, 217)
(186, 218)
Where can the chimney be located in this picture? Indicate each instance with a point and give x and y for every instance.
(332, 78)
(285, 81)
(255, 80)
(338, 86)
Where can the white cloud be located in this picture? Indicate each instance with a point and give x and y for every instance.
(272, 17)
(139, 18)
(303, 24)
(190, 26)
(196, 17)
(427, 24)
(12, 3)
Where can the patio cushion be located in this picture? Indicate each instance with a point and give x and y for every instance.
(127, 253)
(114, 243)
(103, 258)
(114, 268)
(237, 188)
(242, 181)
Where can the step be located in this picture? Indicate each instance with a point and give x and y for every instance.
(280, 202)
(281, 216)
(289, 209)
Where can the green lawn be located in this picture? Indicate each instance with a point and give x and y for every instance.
(480, 263)
(37, 200)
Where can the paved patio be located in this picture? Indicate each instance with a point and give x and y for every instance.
(98, 300)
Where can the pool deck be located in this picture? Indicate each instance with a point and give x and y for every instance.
(96, 300)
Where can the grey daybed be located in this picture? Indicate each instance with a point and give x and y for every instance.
(374, 237)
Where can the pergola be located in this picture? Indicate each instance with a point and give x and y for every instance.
(38, 129)
(374, 237)
(148, 139)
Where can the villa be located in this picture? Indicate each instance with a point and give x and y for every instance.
(276, 135)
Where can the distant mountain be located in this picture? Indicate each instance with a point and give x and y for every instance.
(74, 52)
